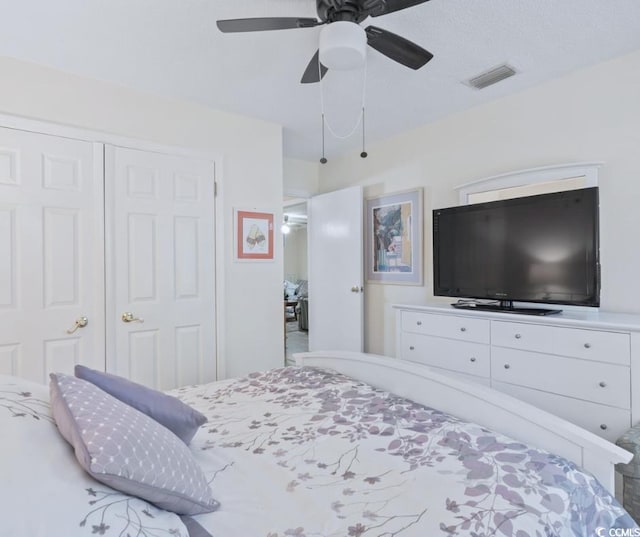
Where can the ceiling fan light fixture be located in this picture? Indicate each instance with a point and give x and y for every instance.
(343, 46)
(286, 228)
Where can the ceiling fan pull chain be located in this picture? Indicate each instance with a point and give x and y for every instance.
(364, 153)
(360, 116)
(323, 160)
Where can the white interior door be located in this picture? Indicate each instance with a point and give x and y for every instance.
(51, 254)
(336, 271)
(160, 240)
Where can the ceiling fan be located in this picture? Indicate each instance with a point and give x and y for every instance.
(342, 40)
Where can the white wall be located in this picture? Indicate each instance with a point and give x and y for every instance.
(295, 254)
(253, 291)
(590, 115)
(302, 253)
(300, 178)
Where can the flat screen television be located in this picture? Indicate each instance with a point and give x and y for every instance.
(541, 249)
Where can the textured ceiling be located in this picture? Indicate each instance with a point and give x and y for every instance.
(173, 48)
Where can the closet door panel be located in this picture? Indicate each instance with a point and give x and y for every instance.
(8, 273)
(51, 254)
(160, 237)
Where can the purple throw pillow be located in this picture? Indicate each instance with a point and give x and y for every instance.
(179, 418)
(127, 450)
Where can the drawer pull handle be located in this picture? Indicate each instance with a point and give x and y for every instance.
(472, 359)
(602, 384)
(587, 345)
(603, 426)
(507, 366)
(419, 323)
(518, 336)
(463, 329)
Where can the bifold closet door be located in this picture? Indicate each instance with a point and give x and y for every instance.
(51, 254)
(160, 267)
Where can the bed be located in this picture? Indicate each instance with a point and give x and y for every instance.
(311, 451)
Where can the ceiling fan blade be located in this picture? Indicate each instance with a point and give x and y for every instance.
(266, 23)
(397, 48)
(396, 5)
(311, 73)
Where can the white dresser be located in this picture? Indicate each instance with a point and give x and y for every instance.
(581, 366)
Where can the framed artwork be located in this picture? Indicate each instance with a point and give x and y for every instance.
(393, 238)
(253, 233)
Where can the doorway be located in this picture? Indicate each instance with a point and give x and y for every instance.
(296, 280)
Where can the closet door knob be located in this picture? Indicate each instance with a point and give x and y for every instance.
(603, 426)
(472, 359)
(507, 366)
(518, 336)
(587, 345)
(463, 329)
(412, 348)
(128, 317)
(419, 323)
(81, 322)
(602, 384)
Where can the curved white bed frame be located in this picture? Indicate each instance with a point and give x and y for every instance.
(479, 404)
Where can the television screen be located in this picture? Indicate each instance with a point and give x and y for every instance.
(534, 249)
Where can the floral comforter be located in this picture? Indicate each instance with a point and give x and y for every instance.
(319, 454)
(307, 452)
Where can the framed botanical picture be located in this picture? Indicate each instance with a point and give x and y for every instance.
(393, 238)
(253, 232)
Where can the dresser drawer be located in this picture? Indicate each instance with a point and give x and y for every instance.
(462, 356)
(612, 347)
(590, 381)
(605, 421)
(449, 326)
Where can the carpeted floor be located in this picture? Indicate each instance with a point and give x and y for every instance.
(296, 341)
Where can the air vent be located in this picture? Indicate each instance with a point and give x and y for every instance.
(491, 77)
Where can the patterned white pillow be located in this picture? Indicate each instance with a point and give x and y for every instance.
(127, 450)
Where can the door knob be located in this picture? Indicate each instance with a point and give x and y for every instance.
(128, 317)
(355, 289)
(81, 322)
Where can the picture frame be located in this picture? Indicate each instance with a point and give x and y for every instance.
(393, 238)
(253, 235)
